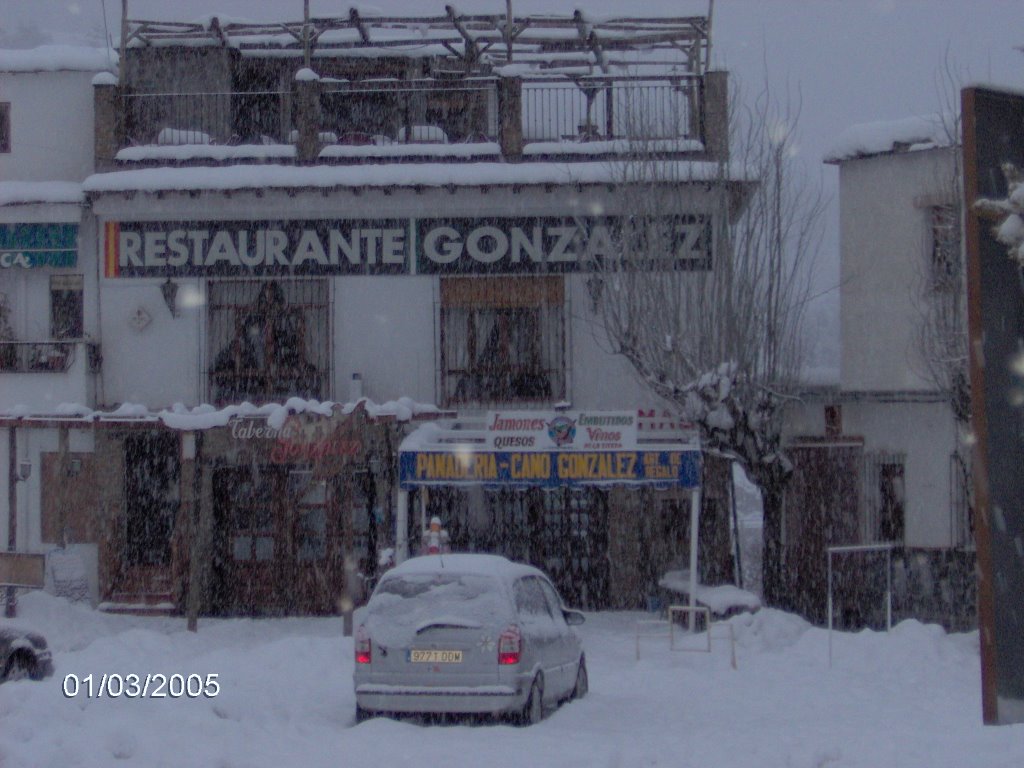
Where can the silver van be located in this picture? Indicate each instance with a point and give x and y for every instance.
(467, 634)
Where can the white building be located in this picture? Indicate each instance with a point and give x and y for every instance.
(402, 212)
(888, 436)
(46, 356)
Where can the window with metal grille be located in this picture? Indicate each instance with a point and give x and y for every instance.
(5, 126)
(66, 307)
(269, 340)
(884, 498)
(502, 340)
(945, 251)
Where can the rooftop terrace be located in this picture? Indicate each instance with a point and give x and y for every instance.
(455, 88)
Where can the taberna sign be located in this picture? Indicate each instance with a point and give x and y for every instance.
(402, 246)
(35, 246)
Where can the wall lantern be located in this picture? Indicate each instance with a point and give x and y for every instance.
(169, 289)
(24, 470)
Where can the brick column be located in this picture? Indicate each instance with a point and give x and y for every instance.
(108, 121)
(510, 118)
(715, 117)
(307, 115)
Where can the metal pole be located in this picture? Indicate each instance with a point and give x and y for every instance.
(402, 527)
(508, 30)
(694, 530)
(830, 609)
(197, 553)
(121, 63)
(888, 589)
(12, 512)
(305, 33)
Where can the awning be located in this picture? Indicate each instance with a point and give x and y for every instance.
(553, 449)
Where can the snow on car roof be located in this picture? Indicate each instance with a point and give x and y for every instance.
(487, 565)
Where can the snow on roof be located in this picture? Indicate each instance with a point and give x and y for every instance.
(409, 175)
(484, 565)
(910, 133)
(207, 416)
(24, 192)
(55, 58)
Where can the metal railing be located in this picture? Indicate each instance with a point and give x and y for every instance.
(608, 108)
(427, 110)
(961, 510)
(257, 117)
(36, 356)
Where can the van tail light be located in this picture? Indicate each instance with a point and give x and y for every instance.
(363, 651)
(510, 645)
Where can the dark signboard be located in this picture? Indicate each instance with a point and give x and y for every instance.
(549, 468)
(31, 246)
(399, 246)
(994, 135)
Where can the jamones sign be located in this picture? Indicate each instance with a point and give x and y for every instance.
(399, 246)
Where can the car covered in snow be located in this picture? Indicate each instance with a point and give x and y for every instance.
(23, 655)
(467, 634)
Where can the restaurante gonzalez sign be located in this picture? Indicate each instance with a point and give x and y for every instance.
(398, 246)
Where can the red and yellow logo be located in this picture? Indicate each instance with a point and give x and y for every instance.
(112, 239)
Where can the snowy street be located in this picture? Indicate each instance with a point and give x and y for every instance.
(911, 698)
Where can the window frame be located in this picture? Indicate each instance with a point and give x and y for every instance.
(74, 284)
(506, 299)
(308, 311)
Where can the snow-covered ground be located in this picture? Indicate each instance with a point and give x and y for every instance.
(910, 698)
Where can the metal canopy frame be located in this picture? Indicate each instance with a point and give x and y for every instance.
(473, 39)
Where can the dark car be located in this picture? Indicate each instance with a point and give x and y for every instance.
(23, 655)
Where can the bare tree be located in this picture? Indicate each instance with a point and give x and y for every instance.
(941, 294)
(720, 336)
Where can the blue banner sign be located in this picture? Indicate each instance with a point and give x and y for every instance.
(31, 246)
(550, 469)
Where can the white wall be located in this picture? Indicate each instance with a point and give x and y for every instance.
(884, 250)
(51, 125)
(926, 432)
(598, 379)
(160, 364)
(384, 327)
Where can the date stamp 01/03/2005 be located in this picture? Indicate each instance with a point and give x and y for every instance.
(148, 686)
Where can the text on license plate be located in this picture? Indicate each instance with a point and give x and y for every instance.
(435, 657)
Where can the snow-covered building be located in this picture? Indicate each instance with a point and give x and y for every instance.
(48, 353)
(881, 459)
(358, 207)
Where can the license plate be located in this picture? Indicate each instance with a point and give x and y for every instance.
(435, 657)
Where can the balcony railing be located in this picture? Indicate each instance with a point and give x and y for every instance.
(36, 356)
(390, 113)
(609, 108)
(45, 373)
